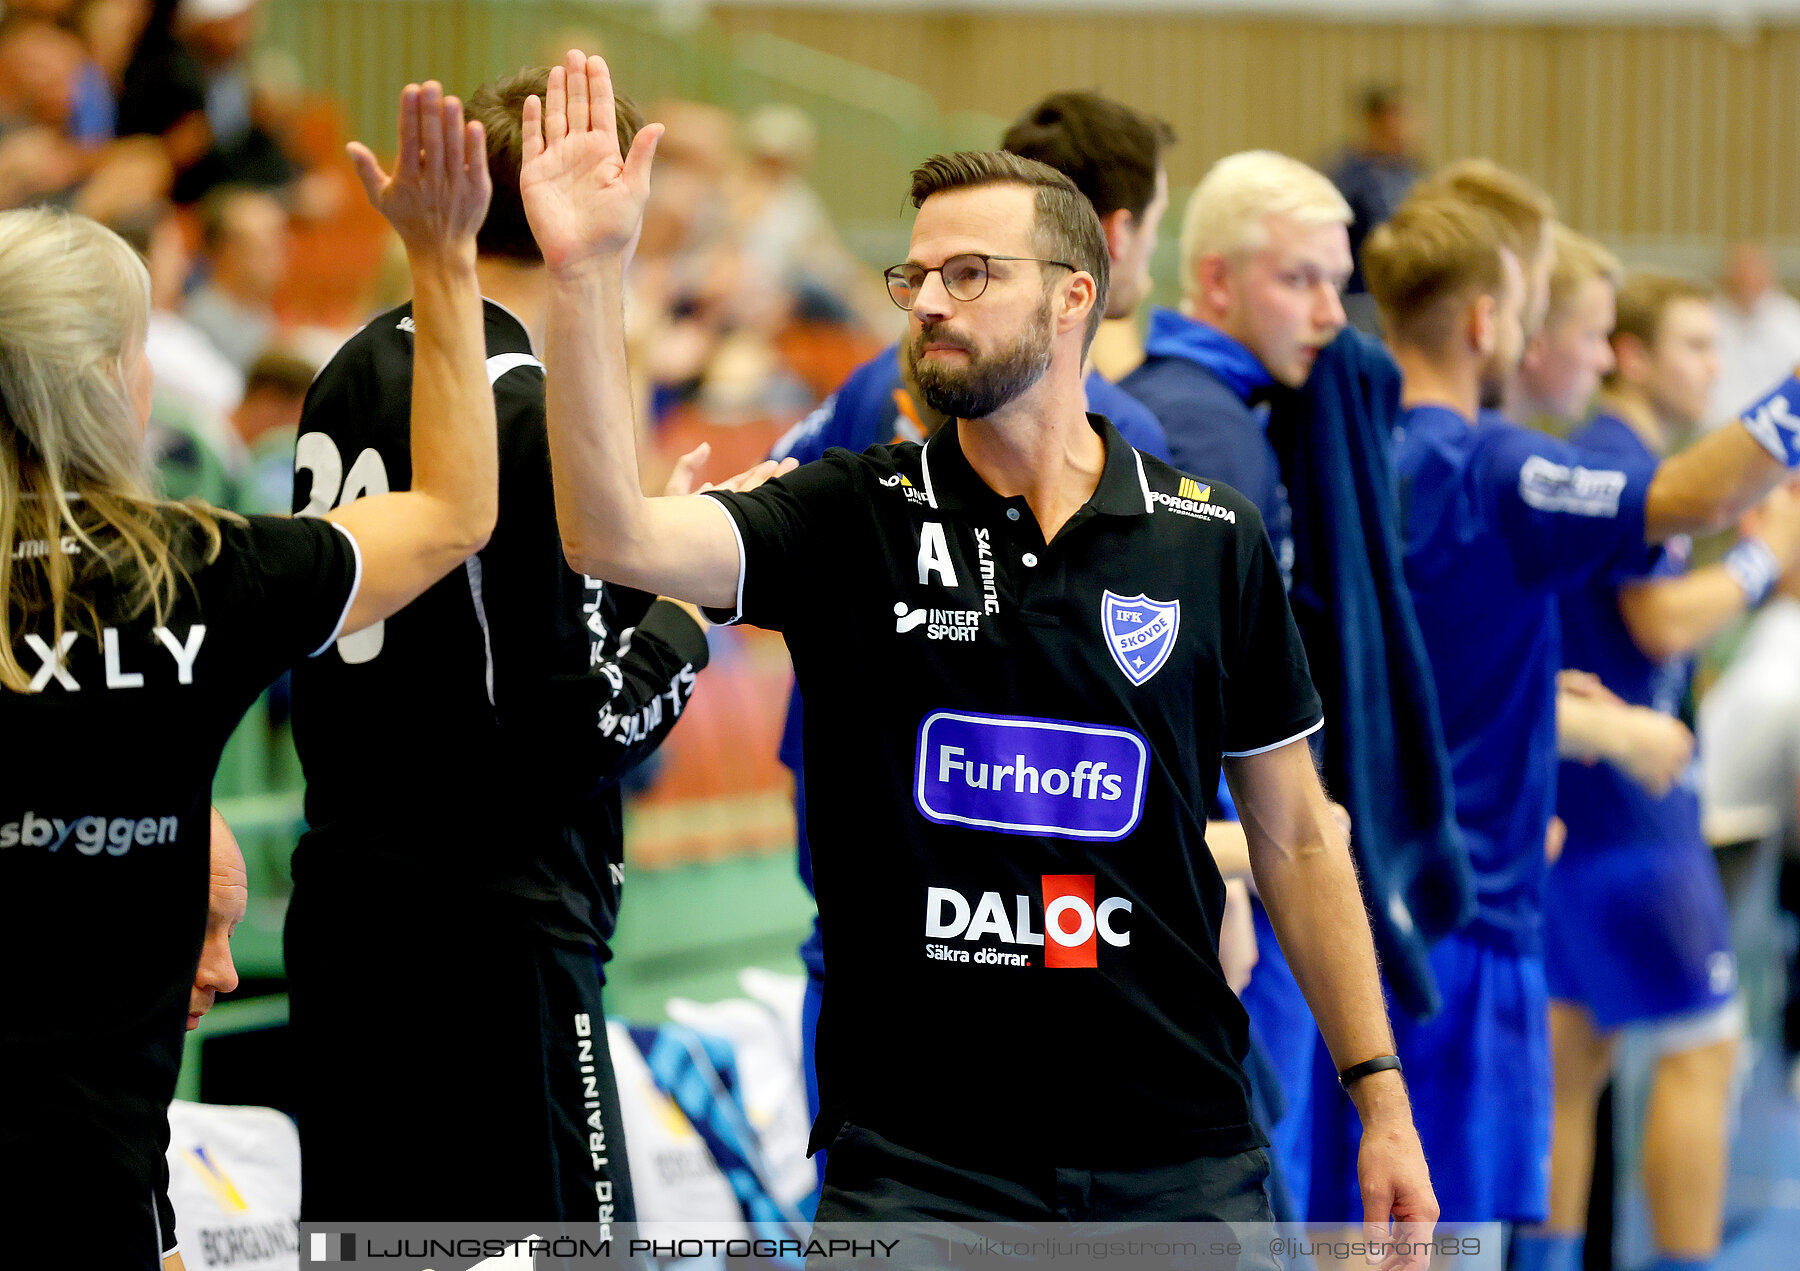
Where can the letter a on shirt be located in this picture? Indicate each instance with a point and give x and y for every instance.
(934, 554)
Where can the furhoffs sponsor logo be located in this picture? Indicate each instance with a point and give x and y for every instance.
(1017, 775)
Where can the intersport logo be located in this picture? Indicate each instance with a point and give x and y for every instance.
(1018, 775)
(1068, 926)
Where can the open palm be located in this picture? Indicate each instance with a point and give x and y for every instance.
(583, 199)
(437, 195)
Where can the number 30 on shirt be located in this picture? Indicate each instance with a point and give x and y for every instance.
(332, 487)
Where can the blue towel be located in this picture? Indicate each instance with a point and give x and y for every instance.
(1384, 753)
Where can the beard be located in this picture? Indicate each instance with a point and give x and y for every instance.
(984, 384)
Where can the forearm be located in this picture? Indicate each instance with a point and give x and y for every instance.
(1710, 484)
(1315, 905)
(1586, 730)
(601, 509)
(1230, 849)
(455, 461)
(1673, 617)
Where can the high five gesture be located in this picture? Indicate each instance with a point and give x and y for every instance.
(585, 202)
(583, 198)
(436, 198)
(438, 192)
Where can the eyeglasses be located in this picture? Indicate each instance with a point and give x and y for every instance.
(965, 276)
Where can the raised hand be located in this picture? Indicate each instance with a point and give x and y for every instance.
(584, 199)
(437, 195)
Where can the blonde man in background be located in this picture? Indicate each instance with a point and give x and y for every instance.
(1265, 255)
(1524, 215)
(1564, 361)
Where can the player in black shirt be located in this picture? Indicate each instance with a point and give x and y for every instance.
(459, 882)
(136, 633)
(1025, 649)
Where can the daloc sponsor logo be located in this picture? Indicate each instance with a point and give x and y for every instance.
(1030, 776)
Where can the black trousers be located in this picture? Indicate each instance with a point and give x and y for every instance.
(871, 1179)
(452, 1067)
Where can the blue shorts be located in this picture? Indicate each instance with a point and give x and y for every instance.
(1479, 1075)
(1285, 1025)
(1637, 934)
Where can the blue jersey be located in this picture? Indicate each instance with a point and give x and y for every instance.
(1198, 382)
(872, 408)
(1498, 521)
(1600, 804)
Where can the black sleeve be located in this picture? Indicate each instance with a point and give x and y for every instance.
(285, 582)
(590, 677)
(1269, 694)
(790, 531)
(607, 721)
(165, 1222)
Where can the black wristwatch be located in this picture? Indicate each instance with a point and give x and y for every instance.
(1356, 1072)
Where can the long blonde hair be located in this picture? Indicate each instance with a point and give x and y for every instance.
(77, 508)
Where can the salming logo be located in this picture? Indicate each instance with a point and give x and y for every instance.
(984, 561)
(630, 730)
(39, 548)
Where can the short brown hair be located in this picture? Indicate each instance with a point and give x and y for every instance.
(500, 108)
(1644, 301)
(1579, 261)
(1522, 209)
(1111, 152)
(280, 371)
(1435, 254)
(1065, 228)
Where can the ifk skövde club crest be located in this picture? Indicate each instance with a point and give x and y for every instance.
(1140, 632)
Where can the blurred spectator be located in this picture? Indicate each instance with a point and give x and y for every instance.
(267, 423)
(188, 368)
(245, 246)
(706, 314)
(786, 233)
(108, 30)
(40, 64)
(111, 30)
(189, 84)
(1759, 331)
(86, 114)
(1374, 173)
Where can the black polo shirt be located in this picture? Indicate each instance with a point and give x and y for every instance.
(1009, 747)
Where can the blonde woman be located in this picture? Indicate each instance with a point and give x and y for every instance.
(135, 633)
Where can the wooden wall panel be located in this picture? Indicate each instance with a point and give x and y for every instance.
(1645, 133)
(1642, 132)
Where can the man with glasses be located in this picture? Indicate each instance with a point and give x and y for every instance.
(1026, 647)
(1113, 154)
